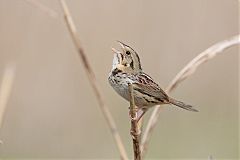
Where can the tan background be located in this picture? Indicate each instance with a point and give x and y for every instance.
(52, 111)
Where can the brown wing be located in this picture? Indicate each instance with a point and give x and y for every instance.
(147, 86)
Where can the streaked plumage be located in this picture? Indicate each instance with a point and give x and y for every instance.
(127, 69)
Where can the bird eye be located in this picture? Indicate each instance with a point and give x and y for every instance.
(128, 53)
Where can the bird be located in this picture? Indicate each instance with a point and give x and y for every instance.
(127, 69)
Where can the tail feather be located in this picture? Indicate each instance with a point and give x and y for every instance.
(182, 105)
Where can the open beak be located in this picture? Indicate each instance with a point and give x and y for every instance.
(122, 46)
(115, 51)
(120, 54)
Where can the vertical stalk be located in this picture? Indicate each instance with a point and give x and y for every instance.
(135, 128)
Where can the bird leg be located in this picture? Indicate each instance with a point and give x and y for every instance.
(139, 114)
(133, 117)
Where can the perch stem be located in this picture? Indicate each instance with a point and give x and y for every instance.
(135, 128)
(187, 71)
(107, 114)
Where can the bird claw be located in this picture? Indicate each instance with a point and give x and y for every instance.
(133, 118)
(138, 115)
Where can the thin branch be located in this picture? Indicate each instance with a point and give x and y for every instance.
(5, 90)
(135, 130)
(203, 57)
(50, 12)
(110, 121)
(187, 71)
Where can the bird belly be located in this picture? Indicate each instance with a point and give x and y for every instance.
(121, 87)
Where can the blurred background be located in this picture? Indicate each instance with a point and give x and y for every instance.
(52, 111)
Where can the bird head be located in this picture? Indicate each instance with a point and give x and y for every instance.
(126, 60)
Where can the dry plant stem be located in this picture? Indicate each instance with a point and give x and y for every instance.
(205, 56)
(5, 90)
(135, 130)
(91, 76)
(188, 70)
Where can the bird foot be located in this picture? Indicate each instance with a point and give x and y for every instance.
(138, 115)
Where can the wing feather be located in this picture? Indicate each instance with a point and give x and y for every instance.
(147, 86)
